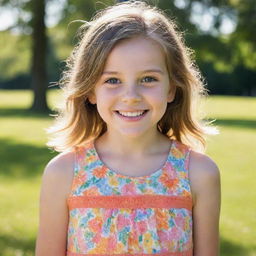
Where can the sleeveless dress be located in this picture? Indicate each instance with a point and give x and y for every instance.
(115, 214)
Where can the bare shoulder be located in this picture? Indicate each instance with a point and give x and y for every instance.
(59, 170)
(203, 165)
(61, 165)
(204, 173)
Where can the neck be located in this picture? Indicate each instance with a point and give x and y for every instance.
(134, 146)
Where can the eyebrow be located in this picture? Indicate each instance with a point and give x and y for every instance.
(144, 71)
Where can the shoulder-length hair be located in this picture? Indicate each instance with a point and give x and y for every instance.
(78, 120)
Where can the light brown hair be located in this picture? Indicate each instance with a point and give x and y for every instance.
(78, 121)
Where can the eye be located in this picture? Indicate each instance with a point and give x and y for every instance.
(112, 80)
(149, 79)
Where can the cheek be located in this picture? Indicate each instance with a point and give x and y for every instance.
(105, 103)
(158, 96)
(158, 100)
(104, 112)
(162, 108)
(106, 94)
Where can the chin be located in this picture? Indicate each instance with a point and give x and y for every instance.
(133, 133)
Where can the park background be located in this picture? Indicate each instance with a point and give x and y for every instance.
(35, 39)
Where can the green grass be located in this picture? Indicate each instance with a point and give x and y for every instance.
(23, 156)
(235, 153)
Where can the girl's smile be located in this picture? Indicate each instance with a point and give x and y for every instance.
(134, 89)
(131, 116)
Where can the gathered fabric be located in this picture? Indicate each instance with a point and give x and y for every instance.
(115, 214)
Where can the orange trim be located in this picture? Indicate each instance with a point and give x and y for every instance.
(186, 253)
(132, 202)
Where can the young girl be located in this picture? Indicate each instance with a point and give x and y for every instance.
(130, 179)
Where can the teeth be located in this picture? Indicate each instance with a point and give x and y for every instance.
(137, 113)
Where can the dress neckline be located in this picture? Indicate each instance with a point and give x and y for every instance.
(156, 173)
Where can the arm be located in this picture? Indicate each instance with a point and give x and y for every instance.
(205, 185)
(53, 219)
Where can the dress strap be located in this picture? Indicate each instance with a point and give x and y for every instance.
(180, 156)
(187, 159)
(80, 161)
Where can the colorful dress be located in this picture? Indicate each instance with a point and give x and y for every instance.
(115, 214)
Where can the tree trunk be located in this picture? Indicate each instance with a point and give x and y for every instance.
(38, 69)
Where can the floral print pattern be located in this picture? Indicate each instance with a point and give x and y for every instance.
(130, 231)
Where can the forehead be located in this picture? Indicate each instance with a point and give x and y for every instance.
(136, 52)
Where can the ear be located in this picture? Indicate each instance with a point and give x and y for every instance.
(171, 94)
(92, 98)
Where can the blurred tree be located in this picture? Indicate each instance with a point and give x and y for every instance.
(242, 40)
(76, 12)
(234, 51)
(31, 20)
(38, 68)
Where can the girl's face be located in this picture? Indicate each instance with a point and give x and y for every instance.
(133, 91)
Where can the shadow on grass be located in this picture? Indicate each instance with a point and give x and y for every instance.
(239, 123)
(10, 245)
(22, 160)
(228, 248)
(20, 112)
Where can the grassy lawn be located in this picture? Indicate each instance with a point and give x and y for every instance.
(23, 156)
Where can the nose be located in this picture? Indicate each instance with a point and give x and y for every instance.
(131, 95)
